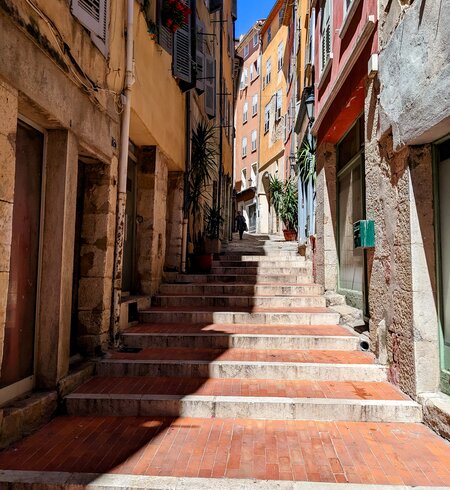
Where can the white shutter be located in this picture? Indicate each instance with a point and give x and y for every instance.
(210, 86)
(93, 14)
(182, 49)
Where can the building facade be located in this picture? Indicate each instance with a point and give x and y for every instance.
(247, 114)
(97, 112)
(274, 35)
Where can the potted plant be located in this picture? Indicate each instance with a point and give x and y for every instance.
(213, 221)
(284, 199)
(174, 14)
(203, 166)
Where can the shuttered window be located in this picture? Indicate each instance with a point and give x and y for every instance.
(93, 14)
(210, 86)
(200, 59)
(182, 49)
(325, 34)
(165, 35)
(215, 5)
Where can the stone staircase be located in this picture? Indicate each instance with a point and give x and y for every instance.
(252, 340)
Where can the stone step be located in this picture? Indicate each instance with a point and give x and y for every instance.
(320, 337)
(266, 252)
(260, 264)
(298, 271)
(238, 301)
(244, 278)
(240, 398)
(260, 259)
(274, 316)
(237, 289)
(244, 363)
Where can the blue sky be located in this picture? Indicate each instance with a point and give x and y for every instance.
(249, 11)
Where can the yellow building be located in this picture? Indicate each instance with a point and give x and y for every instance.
(97, 107)
(274, 35)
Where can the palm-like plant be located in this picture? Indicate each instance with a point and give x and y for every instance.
(306, 163)
(284, 199)
(203, 167)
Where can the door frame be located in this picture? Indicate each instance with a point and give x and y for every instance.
(444, 370)
(27, 384)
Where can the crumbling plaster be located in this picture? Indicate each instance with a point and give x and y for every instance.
(414, 71)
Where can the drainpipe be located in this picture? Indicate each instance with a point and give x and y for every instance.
(221, 102)
(186, 183)
(123, 167)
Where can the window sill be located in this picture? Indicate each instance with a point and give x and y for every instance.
(325, 71)
(348, 18)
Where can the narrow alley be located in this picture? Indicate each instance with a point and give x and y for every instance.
(243, 373)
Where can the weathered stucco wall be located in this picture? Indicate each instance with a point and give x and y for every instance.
(174, 213)
(326, 251)
(414, 71)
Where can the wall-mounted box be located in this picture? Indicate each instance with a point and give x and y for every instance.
(364, 234)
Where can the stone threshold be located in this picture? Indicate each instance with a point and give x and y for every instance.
(436, 412)
(37, 480)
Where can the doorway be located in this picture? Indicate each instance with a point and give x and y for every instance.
(20, 330)
(351, 208)
(443, 184)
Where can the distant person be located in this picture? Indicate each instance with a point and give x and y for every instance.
(241, 224)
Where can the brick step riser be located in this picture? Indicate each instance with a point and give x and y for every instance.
(241, 289)
(242, 370)
(245, 279)
(206, 341)
(239, 302)
(239, 318)
(244, 407)
(259, 271)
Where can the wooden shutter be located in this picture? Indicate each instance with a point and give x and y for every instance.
(200, 59)
(182, 49)
(165, 35)
(93, 14)
(210, 86)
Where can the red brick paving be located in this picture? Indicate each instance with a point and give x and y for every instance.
(139, 385)
(249, 355)
(249, 329)
(353, 452)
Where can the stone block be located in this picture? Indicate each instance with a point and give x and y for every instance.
(7, 167)
(96, 262)
(93, 322)
(8, 109)
(6, 215)
(98, 230)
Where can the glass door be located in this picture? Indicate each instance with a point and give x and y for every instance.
(443, 173)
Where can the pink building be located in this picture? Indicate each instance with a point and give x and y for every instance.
(248, 107)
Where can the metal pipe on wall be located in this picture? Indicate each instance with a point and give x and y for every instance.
(122, 170)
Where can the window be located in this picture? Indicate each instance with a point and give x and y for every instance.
(279, 104)
(281, 16)
(280, 56)
(255, 105)
(255, 40)
(210, 86)
(253, 174)
(244, 147)
(245, 113)
(269, 34)
(325, 34)
(246, 50)
(244, 79)
(266, 118)
(258, 66)
(254, 139)
(243, 179)
(268, 72)
(347, 5)
(252, 72)
(93, 15)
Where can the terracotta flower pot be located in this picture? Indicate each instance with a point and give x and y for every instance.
(290, 235)
(202, 263)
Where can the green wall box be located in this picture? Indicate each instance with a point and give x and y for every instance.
(364, 234)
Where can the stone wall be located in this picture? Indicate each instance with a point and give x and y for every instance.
(8, 125)
(326, 245)
(174, 231)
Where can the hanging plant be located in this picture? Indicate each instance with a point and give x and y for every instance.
(174, 14)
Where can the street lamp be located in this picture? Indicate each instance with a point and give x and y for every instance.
(309, 102)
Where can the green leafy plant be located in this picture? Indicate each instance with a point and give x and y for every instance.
(203, 167)
(306, 163)
(284, 199)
